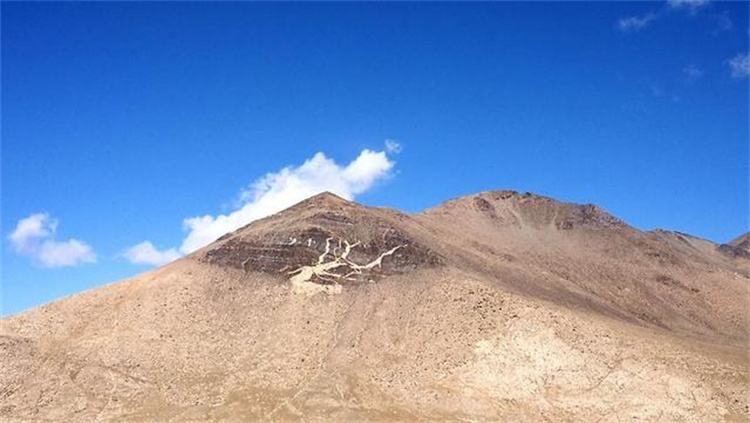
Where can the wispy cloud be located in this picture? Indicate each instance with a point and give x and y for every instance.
(723, 21)
(692, 72)
(393, 146)
(34, 237)
(690, 5)
(147, 253)
(740, 65)
(274, 192)
(635, 23)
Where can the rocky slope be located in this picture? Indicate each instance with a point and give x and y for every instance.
(738, 247)
(500, 306)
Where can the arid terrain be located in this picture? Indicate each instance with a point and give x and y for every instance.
(501, 306)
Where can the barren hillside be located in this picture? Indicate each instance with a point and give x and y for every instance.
(500, 306)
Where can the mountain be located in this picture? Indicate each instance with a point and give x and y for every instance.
(738, 247)
(500, 306)
(742, 241)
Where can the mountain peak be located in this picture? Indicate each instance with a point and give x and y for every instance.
(738, 247)
(324, 200)
(526, 209)
(327, 197)
(741, 241)
(323, 243)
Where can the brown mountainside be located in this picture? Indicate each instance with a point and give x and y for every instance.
(500, 306)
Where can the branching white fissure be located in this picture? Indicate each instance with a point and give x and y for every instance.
(301, 278)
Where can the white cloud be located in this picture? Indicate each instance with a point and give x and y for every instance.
(272, 193)
(740, 65)
(25, 238)
(34, 237)
(635, 23)
(64, 254)
(279, 190)
(687, 4)
(146, 253)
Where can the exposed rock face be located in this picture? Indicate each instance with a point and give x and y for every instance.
(590, 216)
(742, 241)
(733, 251)
(738, 247)
(328, 242)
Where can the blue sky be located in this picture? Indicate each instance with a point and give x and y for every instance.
(120, 120)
